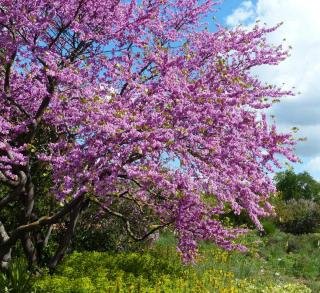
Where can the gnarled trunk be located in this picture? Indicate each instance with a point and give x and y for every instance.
(5, 254)
(27, 204)
(65, 242)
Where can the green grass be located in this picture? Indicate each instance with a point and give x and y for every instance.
(279, 257)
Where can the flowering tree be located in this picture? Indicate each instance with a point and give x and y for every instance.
(134, 100)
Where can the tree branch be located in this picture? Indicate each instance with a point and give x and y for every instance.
(64, 243)
(43, 221)
(66, 26)
(4, 179)
(128, 225)
(6, 85)
(139, 73)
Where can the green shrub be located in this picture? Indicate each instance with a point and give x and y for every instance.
(298, 216)
(149, 272)
(269, 226)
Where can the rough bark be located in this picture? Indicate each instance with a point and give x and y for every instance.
(27, 200)
(5, 255)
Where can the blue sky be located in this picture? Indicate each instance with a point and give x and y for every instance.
(226, 9)
(301, 30)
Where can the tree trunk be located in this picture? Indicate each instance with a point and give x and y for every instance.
(23, 231)
(27, 201)
(65, 242)
(5, 251)
(5, 255)
(42, 241)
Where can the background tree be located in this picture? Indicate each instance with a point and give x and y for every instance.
(104, 95)
(296, 186)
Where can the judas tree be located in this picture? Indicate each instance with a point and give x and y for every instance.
(138, 101)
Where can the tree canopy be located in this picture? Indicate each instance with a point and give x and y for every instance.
(296, 186)
(105, 95)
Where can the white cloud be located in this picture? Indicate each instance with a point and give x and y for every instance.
(242, 14)
(314, 164)
(301, 29)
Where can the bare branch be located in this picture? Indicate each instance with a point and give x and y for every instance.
(48, 234)
(140, 72)
(66, 26)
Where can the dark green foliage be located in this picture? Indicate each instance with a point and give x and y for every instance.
(100, 232)
(97, 231)
(8, 214)
(295, 186)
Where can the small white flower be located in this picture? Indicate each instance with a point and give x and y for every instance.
(103, 86)
(110, 91)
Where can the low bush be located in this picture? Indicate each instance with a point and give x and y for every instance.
(269, 226)
(298, 216)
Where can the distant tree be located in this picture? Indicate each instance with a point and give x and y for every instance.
(295, 186)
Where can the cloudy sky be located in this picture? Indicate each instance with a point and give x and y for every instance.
(301, 30)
